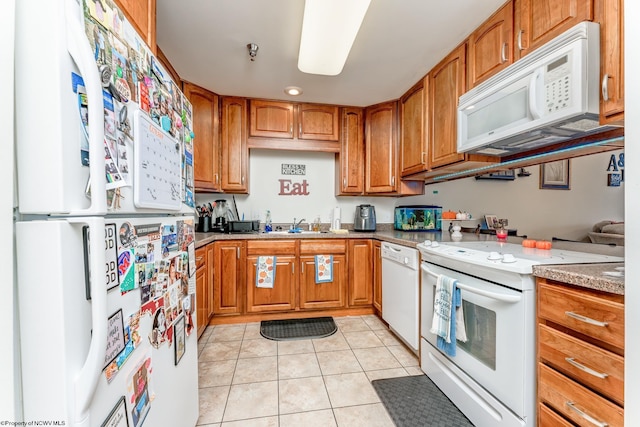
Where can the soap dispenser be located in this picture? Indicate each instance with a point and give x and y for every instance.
(267, 222)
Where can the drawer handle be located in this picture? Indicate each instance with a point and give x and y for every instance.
(586, 319)
(586, 416)
(572, 361)
(199, 258)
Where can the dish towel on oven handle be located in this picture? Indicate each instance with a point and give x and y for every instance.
(324, 268)
(265, 271)
(445, 315)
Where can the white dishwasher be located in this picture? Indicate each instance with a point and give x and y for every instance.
(400, 291)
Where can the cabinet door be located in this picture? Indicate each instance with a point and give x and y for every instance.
(447, 83)
(413, 121)
(381, 141)
(318, 122)
(206, 158)
(271, 119)
(202, 291)
(538, 21)
(234, 151)
(322, 295)
(142, 14)
(227, 295)
(211, 256)
(611, 19)
(491, 46)
(279, 298)
(350, 159)
(377, 276)
(360, 272)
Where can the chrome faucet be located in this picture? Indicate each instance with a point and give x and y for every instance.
(296, 224)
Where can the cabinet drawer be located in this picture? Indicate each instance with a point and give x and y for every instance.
(318, 246)
(586, 312)
(568, 354)
(201, 256)
(271, 247)
(575, 402)
(546, 417)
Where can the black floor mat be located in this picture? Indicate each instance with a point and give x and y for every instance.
(298, 329)
(416, 401)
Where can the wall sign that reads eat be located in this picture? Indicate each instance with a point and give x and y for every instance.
(290, 188)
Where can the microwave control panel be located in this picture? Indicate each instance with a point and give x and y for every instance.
(557, 82)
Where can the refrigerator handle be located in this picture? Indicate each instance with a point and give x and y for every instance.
(81, 53)
(86, 380)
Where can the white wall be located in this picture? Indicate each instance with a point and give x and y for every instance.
(9, 357)
(538, 213)
(632, 189)
(320, 167)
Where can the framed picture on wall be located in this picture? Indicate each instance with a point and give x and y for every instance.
(555, 175)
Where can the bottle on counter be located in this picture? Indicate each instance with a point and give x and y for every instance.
(267, 222)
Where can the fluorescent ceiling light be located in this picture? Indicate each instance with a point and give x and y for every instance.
(329, 28)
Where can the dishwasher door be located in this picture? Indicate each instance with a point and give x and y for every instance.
(400, 291)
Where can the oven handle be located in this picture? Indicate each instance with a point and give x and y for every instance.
(492, 295)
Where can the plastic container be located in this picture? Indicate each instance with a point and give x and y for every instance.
(417, 218)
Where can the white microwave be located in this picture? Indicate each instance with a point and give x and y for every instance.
(549, 96)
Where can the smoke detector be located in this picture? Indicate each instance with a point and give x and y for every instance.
(253, 51)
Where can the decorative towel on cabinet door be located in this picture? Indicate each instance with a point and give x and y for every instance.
(265, 271)
(445, 315)
(324, 268)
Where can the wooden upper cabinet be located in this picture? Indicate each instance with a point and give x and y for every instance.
(446, 84)
(233, 150)
(142, 15)
(538, 21)
(318, 122)
(281, 125)
(350, 158)
(610, 14)
(206, 146)
(381, 142)
(271, 119)
(491, 46)
(413, 135)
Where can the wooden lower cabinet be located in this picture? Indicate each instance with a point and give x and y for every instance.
(323, 295)
(580, 356)
(202, 291)
(229, 275)
(281, 296)
(360, 272)
(377, 276)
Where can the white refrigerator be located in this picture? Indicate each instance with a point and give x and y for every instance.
(104, 227)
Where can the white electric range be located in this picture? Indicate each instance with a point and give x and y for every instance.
(491, 378)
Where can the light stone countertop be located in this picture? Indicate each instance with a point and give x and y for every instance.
(586, 275)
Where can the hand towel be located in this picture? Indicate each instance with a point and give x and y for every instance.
(457, 329)
(265, 271)
(324, 268)
(442, 307)
(461, 329)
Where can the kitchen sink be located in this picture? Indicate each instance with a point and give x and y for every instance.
(287, 232)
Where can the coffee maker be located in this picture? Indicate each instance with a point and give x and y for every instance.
(222, 215)
(365, 218)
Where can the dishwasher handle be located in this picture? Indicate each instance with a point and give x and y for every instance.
(474, 290)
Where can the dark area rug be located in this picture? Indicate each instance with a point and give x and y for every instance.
(298, 329)
(417, 402)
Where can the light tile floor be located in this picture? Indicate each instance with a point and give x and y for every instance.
(249, 381)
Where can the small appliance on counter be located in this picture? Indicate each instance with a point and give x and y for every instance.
(417, 218)
(365, 218)
(223, 215)
(243, 226)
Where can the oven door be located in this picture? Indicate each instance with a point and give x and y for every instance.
(494, 354)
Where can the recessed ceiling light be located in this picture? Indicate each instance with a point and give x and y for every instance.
(293, 90)
(329, 28)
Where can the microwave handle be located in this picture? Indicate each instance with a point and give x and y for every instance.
(473, 290)
(533, 107)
